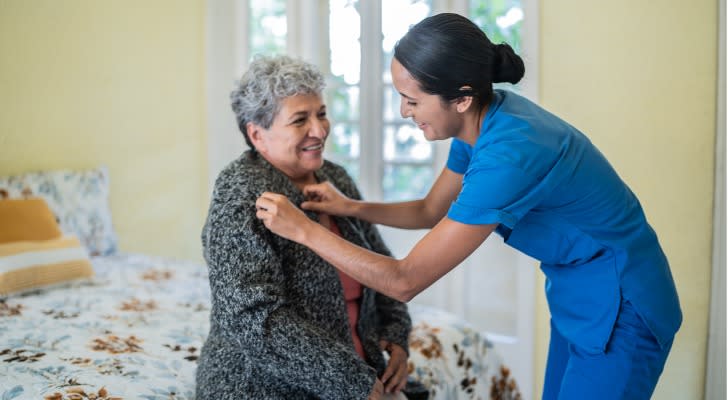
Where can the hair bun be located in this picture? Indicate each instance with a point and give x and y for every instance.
(507, 65)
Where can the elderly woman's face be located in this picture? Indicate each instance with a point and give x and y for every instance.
(295, 141)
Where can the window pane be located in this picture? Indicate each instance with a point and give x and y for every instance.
(406, 182)
(397, 17)
(343, 84)
(405, 143)
(344, 33)
(501, 20)
(402, 143)
(343, 142)
(351, 166)
(391, 104)
(343, 104)
(267, 27)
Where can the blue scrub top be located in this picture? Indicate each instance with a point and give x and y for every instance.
(556, 198)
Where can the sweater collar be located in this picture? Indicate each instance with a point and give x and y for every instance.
(279, 182)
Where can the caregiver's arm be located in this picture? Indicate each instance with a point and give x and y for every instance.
(441, 250)
(416, 214)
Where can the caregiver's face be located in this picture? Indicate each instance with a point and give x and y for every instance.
(295, 141)
(437, 120)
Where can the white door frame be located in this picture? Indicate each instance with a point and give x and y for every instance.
(715, 379)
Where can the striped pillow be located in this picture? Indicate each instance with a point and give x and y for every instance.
(27, 265)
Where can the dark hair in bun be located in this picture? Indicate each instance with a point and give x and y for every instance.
(446, 52)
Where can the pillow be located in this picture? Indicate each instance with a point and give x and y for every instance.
(27, 219)
(79, 199)
(27, 265)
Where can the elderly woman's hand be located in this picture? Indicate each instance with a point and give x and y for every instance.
(325, 198)
(281, 216)
(377, 390)
(395, 375)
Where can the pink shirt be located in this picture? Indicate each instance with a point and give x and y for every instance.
(352, 295)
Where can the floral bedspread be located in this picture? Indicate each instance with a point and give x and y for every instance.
(135, 330)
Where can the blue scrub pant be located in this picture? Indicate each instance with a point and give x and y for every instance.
(627, 370)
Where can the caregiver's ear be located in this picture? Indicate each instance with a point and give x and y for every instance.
(464, 102)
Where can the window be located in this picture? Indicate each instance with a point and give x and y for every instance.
(268, 27)
(386, 154)
(500, 20)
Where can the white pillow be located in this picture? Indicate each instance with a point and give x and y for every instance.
(79, 200)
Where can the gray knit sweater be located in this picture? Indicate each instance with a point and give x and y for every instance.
(279, 327)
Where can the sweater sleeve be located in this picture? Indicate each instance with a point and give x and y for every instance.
(250, 304)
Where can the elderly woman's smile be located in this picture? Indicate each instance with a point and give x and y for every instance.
(314, 147)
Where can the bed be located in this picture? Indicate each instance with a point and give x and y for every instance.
(132, 326)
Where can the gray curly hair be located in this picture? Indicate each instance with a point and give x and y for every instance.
(270, 79)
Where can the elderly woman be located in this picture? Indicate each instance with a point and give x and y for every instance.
(284, 323)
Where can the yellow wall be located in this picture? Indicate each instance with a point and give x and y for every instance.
(639, 78)
(119, 83)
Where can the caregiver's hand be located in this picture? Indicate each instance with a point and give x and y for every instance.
(281, 216)
(326, 198)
